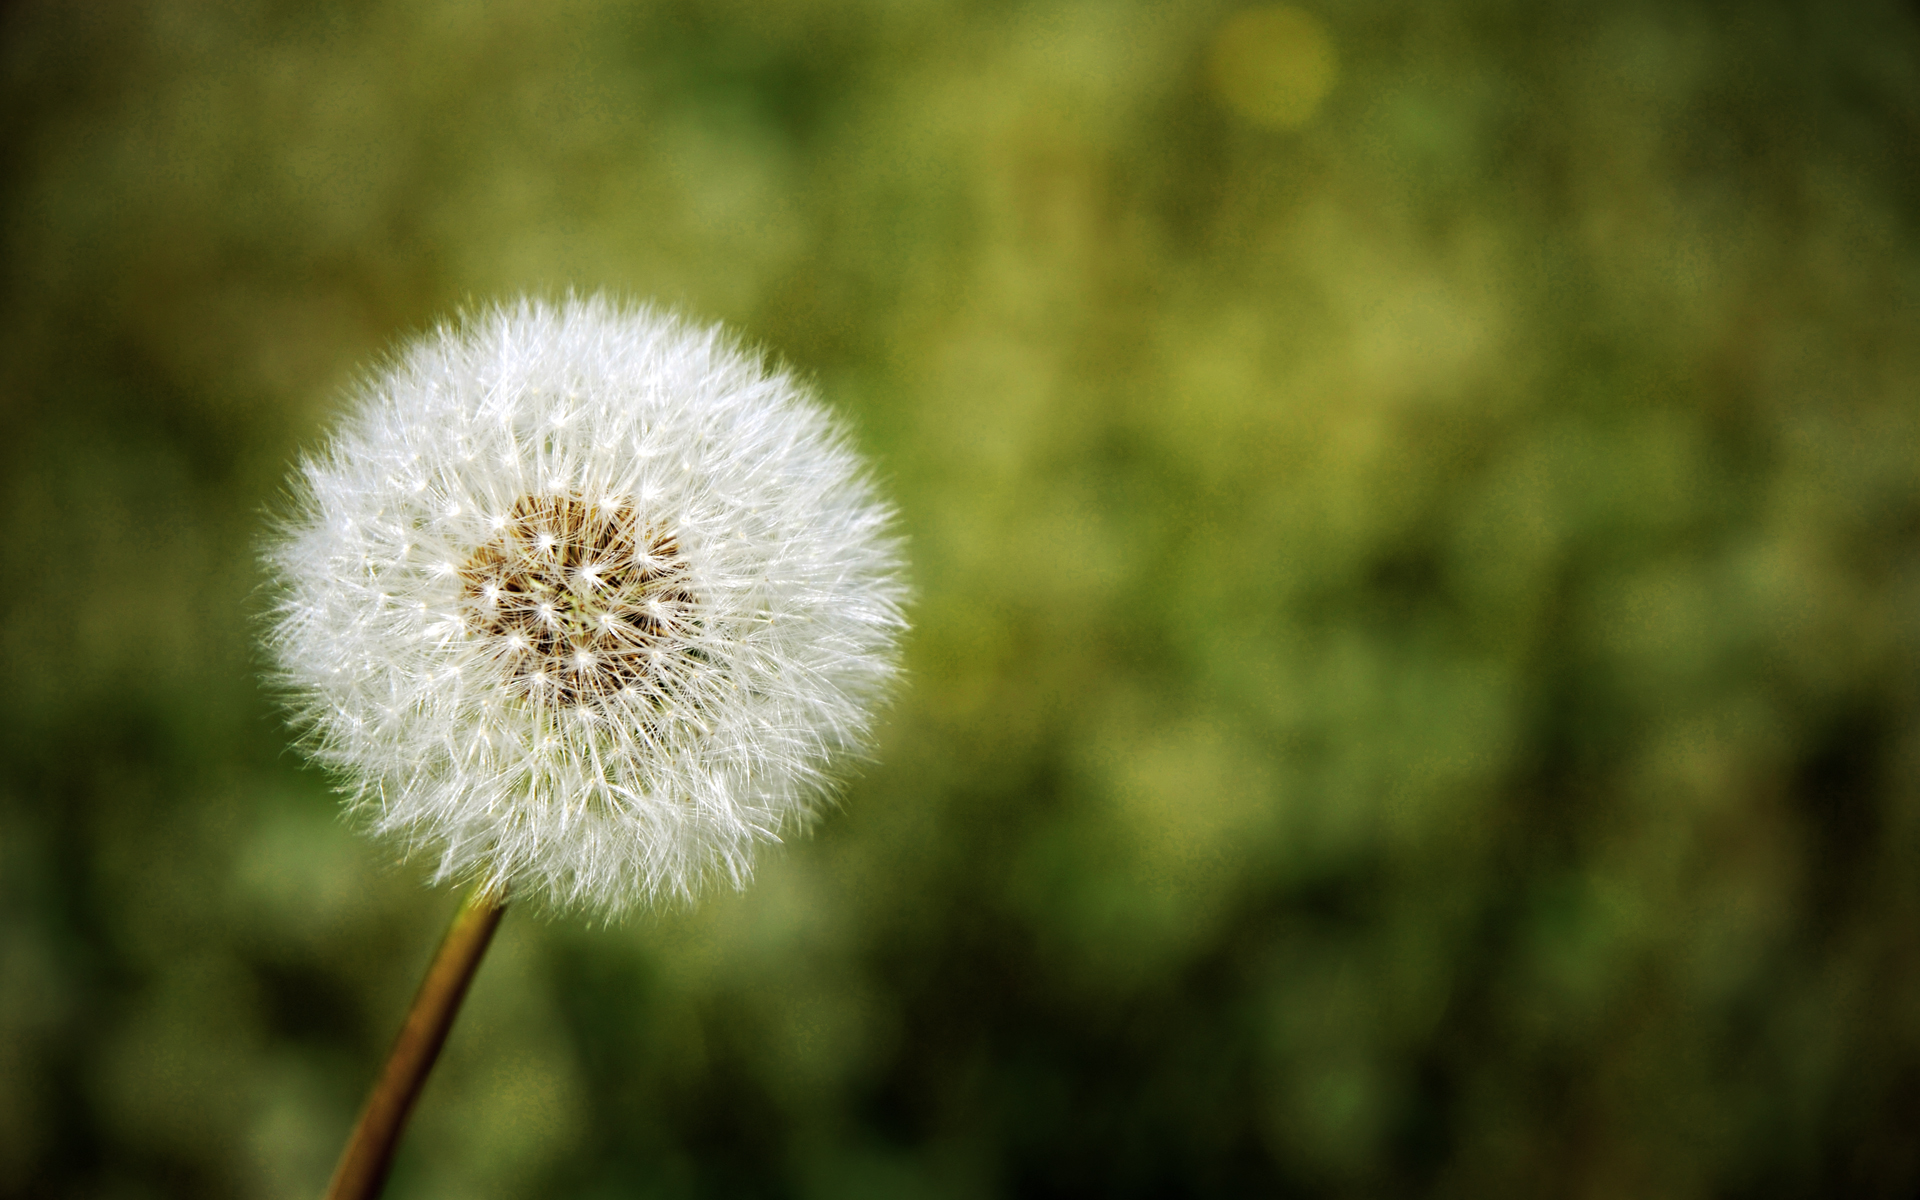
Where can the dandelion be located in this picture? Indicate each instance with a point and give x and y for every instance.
(585, 602)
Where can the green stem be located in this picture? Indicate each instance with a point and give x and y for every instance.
(369, 1154)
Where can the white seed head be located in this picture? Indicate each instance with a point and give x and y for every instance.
(586, 601)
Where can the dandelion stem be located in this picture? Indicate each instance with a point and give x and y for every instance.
(369, 1154)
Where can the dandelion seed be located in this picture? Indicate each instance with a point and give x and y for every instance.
(642, 673)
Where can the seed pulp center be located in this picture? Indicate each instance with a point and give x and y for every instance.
(582, 603)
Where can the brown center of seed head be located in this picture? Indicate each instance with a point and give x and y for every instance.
(583, 602)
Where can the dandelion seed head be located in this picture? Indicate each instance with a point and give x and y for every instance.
(534, 653)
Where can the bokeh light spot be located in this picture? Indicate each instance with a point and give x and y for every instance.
(1273, 66)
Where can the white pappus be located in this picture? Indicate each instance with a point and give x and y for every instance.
(586, 600)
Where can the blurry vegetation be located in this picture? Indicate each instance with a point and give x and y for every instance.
(1415, 521)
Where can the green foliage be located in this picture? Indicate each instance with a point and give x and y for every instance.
(1413, 688)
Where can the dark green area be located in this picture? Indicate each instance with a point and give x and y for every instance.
(1413, 688)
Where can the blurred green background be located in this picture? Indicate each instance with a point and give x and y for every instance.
(1416, 522)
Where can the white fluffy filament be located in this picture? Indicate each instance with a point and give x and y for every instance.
(587, 601)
